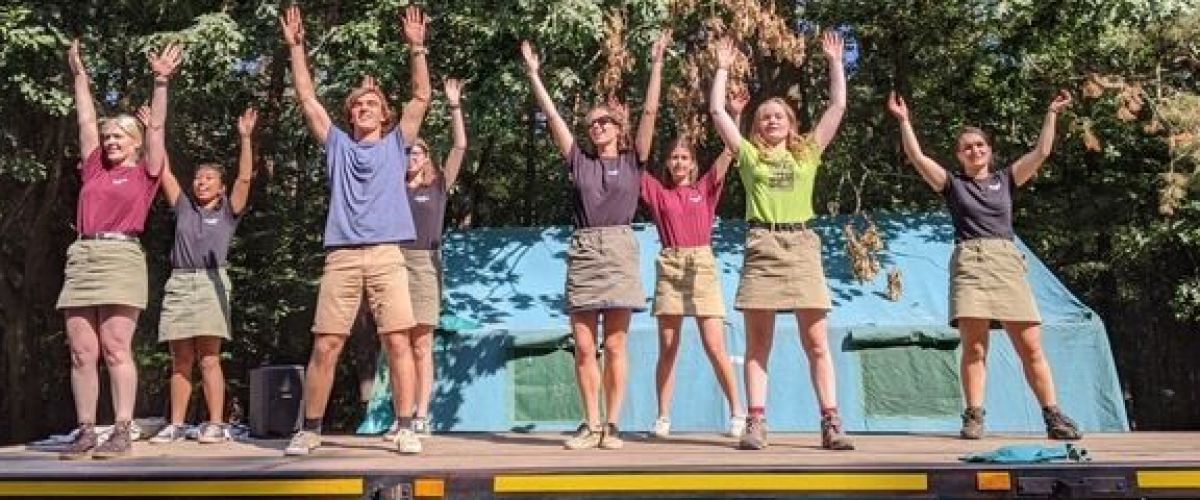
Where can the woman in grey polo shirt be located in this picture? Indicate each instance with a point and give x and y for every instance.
(196, 313)
(987, 272)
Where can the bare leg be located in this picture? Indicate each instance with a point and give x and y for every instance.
(616, 361)
(211, 377)
(668, 353)
(318, 379)
(974, 333)
(116, 343)
(183, 358)
(422, 347)
(760, 332)
(83, 334)
(712, 334)
(815, 338)
(587, 370)
(403, 371)
(1027, 340)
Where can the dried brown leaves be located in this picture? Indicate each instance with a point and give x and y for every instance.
(863, 249)
(617, 60)
(895, 286)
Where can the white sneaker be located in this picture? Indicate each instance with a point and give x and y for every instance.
(662, 427)
(737, 426)
(169, 434)
(407, 442)
(302, 443)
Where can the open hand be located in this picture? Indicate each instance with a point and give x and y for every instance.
(660, 46)
(833, 46)
(246, 122)
(413, 23)
(166, 61)
(737, 101)
(453, 87)
(726, 52)
(293, 26)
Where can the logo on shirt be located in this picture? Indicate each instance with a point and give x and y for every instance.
(119, 181)
(212, 221)
(995, 186)
(612, 172)
(695, 198)
(781, 177)
(421, 198)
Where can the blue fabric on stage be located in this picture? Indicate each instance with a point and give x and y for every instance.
(1029, 454)
(509, 283)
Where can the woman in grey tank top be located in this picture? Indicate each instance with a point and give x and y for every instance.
(988, 285)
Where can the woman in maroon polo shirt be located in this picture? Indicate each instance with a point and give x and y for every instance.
(683, 208)
(104, 289)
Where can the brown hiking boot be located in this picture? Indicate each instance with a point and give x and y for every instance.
(755, 436)
(83, 444)
(832, 437)
(972, 423)
(118, 444)
(1059, 426)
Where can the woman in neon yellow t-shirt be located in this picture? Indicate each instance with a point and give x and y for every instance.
(782, 269)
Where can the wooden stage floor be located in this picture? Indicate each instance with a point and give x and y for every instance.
(464, 462)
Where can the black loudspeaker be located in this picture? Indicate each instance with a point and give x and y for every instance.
(276, 400)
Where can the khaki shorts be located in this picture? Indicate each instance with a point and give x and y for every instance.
(987, 280)
(782, 271)
(687, 283)
(603, 270)
(195, 304)
(376, 270)
(104, 272)
(425, 284)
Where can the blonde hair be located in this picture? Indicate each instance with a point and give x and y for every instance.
(795, 142)
(624, 143)
(420, 143)
(129, 125)
(388, 117)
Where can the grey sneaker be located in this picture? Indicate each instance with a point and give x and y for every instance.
(1060, 426)
(832, 436)
(755, 435)
(169, 434)
(972, 423)
(611, 440)
(211, 433)
(585, 437)
(407, 442)
(302, 443)
(83, 444)
(420, 425)
(119, 442)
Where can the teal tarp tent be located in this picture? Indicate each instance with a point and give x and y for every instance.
(504, 359)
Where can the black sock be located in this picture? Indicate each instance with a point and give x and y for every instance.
(312, 425)
(404, 422)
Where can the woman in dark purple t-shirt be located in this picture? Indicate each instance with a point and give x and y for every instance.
(602, 263)
(987, 271)
(104, 286)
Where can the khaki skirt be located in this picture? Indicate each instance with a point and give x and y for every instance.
(687, 283)
(104, 272)
(603, 270)
(782, 271)
(987, 280)
(425, 284)
(195, 304)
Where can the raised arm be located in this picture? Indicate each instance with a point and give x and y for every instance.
(167, 180)
(644, 140)
(459, 127)
(737, 102)
(85, 109)
(245, 173)
(163, 64)
(1025, 168)
(414, 110)
(314, 113)
(727, 128)
(833, 46)
(933, 173)
(558, 128)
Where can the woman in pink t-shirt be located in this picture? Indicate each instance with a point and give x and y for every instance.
(104, 286)
(683, 208)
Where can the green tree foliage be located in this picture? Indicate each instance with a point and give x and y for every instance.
(1093, 212)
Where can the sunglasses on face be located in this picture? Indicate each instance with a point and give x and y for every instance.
(602, 121)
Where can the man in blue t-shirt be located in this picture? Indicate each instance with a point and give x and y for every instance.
(368, 218)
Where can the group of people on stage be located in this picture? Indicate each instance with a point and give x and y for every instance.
(383, 234)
